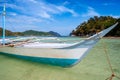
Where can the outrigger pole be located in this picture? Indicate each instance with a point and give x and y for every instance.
(3, 24)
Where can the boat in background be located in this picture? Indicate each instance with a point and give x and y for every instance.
(58, 53)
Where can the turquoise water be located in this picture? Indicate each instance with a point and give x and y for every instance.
(62, 39)
(93, 67)
(46, 39)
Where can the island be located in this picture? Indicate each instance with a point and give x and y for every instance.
(96, 24)
(30, 33)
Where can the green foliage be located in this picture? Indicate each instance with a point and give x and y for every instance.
(8, 33)
(29, 33)
(35, 33)
(96, 24)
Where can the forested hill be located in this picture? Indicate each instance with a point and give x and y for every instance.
(29, 33)
(96, 24)
(40, 33)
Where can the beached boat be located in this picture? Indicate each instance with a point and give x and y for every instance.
(59, 54)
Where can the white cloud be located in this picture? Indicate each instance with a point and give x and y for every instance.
(13, 6)
(45, 15)
(115, 16)
(12, 14)
(90, 13)
(21, 22)
(40, 9)
(34, 1)
(66, 3)
(107, 4)
(22, 19)
(64, 9)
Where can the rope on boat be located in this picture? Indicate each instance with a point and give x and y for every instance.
(109, 63)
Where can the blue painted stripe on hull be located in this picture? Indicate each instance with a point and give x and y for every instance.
(51, 61)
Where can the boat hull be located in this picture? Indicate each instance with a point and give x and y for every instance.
(51, 61)
(57, 57)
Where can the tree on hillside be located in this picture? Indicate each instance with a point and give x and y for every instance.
(96, 24)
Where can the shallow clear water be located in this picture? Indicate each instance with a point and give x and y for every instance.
(44, 39)
(93, 67)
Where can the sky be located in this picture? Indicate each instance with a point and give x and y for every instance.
(61, 16)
